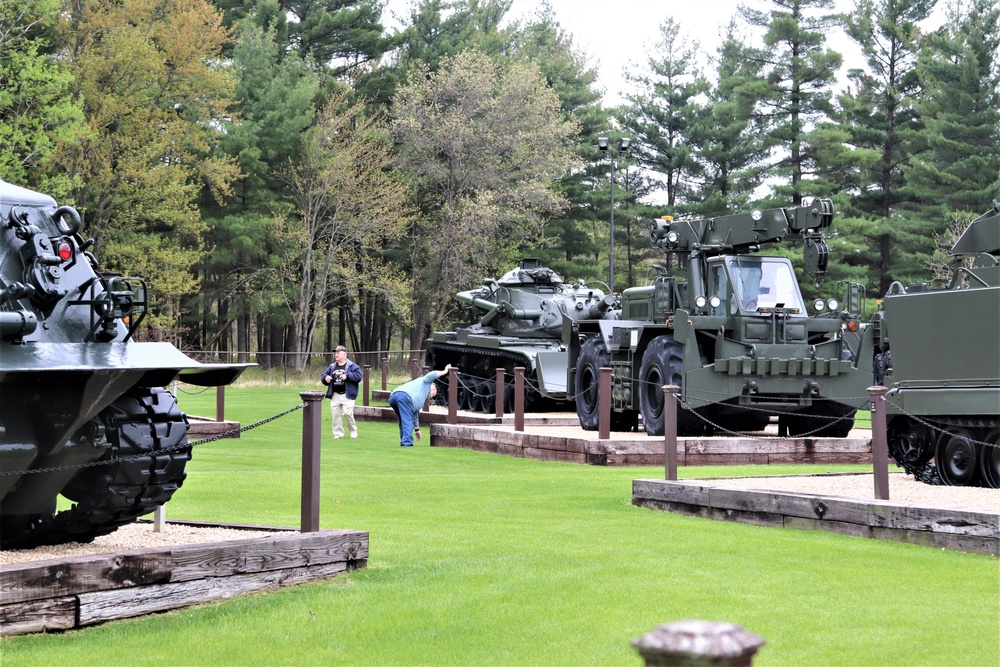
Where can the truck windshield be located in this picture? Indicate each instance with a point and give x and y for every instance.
(765, 282)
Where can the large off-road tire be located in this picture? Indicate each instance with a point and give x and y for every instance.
(146, 424)
(825, 419)
(663, 364)
(593, 356)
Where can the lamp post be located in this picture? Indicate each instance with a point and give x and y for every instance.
(623, 145)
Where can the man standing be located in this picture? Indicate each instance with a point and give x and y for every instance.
(406, 401)
(342, 378)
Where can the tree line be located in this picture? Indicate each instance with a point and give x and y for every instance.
(288, 175)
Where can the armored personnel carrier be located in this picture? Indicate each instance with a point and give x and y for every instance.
(523, 319)
(732, 331)
(938, 350)
(83, 409)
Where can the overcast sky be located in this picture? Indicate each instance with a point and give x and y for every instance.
(615, 33)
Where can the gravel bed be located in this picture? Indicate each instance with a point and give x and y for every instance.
(130, 537)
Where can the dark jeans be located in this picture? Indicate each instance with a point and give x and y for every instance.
(402, 405)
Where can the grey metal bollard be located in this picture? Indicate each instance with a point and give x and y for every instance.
(880, 443)
(696, 642)
(311, 429)
(670, 430)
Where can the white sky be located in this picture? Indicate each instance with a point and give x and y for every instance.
(616, 33)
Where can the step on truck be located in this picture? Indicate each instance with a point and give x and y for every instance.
(730, 328)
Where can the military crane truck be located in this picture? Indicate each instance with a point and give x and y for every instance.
(733, 333)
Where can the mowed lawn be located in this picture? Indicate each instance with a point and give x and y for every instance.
(480, 559)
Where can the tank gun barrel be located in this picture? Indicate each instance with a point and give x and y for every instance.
(599, 309)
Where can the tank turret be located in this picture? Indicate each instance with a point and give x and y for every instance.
(83, 409)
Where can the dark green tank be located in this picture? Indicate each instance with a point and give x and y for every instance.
(83, 409)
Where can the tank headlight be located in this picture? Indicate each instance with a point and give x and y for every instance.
(715, 301)
(833, 305)
(673, 237)
(852, 326)
(818, 305)
(700, 302)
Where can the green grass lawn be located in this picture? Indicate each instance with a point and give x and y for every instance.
(479, 559)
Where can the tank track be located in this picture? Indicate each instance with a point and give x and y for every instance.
(482, 363)
(144, 423)
(927, 472)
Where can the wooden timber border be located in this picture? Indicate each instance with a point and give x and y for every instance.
(63, 594)
(638, 449)
(969, 530)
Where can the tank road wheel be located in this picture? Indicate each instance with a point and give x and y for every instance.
(955, 458)
(462, 393)
(910, 445)
(593, 356)
(989, 460)
(663, 364)
(489, 403)
(146, 424)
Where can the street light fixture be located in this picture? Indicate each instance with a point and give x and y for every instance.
(623, 146)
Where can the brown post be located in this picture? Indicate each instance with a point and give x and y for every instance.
(500, 391)
(366, 371)
(693, 643)
(311, 427)
(670, 429)
(220, 403)
(519, 398)
(604, 404)
(385, 373)
(453, 396)
(414, 369)
(427, 403)
(880, 444)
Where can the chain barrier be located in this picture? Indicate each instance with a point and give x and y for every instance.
(165, 450)
(938, 429)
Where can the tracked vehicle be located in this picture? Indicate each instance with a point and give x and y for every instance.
(938, 350)
(523, 319)
(83, 409)
(731, 329)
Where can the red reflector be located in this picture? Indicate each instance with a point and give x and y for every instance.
(65, 251)
(853, 326)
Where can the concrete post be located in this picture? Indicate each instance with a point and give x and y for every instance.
(670, 430)
(880, 443)
(453, 396)
(604, 404)
(519, 399)
(311, 428)
(693, 643)
(500, 391)
(366, 371)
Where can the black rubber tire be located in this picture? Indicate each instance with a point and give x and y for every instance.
(955, 458)
(489, 402)
(593, 356)
(825, 419)
(145, 423)
(464, 393)
(910, 443)
(989, 460)
(663, 364)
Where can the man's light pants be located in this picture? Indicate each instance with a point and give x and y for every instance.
(341, 406)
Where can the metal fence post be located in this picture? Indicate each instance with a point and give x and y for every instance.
(500, 392)
(694, 643)
(365, 373)
(519, 398)
(311, 428)
(604, 404)
(880, 444)
(453, 396)
(670, 430)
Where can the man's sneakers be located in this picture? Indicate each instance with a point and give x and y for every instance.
(354, 435)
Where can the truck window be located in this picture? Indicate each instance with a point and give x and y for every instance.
(765, 282)
(718, 285)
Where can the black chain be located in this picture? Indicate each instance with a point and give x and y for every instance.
(934, 427)
(174, 448)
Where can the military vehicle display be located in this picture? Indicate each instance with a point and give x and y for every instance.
(733, 333)
(83, 411)
(938, 350)
(523, 319)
